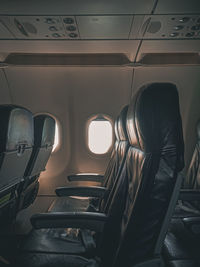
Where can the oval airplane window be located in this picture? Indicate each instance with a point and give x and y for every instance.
(100, 135)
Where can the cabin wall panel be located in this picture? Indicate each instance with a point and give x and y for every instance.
(4, 89)
(72, 95)
(187, 80)
(104, 90)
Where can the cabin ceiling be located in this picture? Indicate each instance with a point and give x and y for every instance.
(131, 27)
(76, 7)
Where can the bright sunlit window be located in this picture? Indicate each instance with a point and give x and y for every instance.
(56, 139)
(99, 136)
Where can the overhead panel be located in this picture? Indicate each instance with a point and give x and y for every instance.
(104, 27)
(4, 32)
(41, 27)
(177, 7)
(138, 27)
(185, 26)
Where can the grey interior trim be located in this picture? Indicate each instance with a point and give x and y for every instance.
(169, 213)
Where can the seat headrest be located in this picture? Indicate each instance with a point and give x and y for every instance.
(122, 124)
(44, 130)
(198, 130)
(16, 127)
(152, 119)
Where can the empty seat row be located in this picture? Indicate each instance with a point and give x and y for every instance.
(25, 146)
(132, 220)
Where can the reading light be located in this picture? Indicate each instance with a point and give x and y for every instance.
(73, 35)
(50, 21)
(190, 34)
(195, 27)
(71, 28)
(184, 19)
(178, 27)
(53, 28)
(56, 35)
(174, 34)
(68, 20)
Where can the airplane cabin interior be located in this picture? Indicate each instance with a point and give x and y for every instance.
(100, 133)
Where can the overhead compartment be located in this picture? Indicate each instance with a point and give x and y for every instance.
(66, 60)
(127, 47)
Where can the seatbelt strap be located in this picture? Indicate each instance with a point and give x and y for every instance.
(87, 238)
(187, 207)
(3, 260)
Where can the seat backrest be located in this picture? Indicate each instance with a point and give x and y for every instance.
(111, 164)
(142, 194)
(44, 132)
(119, 152)
(118, 158)
(192, 180)
(154, 127)
(16, 142)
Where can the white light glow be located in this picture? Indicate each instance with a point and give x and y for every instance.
(99, 136)
(56, 138)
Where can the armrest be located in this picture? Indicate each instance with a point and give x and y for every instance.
(85, 220)
(85, 177)
(81, 191)
(189, 195)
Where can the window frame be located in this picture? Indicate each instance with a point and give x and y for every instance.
(89, 120)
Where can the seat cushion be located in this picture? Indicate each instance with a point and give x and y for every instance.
(175, 249)
(181, 245)
(184, 263)
(53, 260)
(54, 241)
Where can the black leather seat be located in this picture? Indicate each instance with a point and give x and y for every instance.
(96, 194)
(16, 142)
(182, 248)
(134, 221)
(44, 131)
(190, 205)
(182, 243)
(41, 240)
(192, 180)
